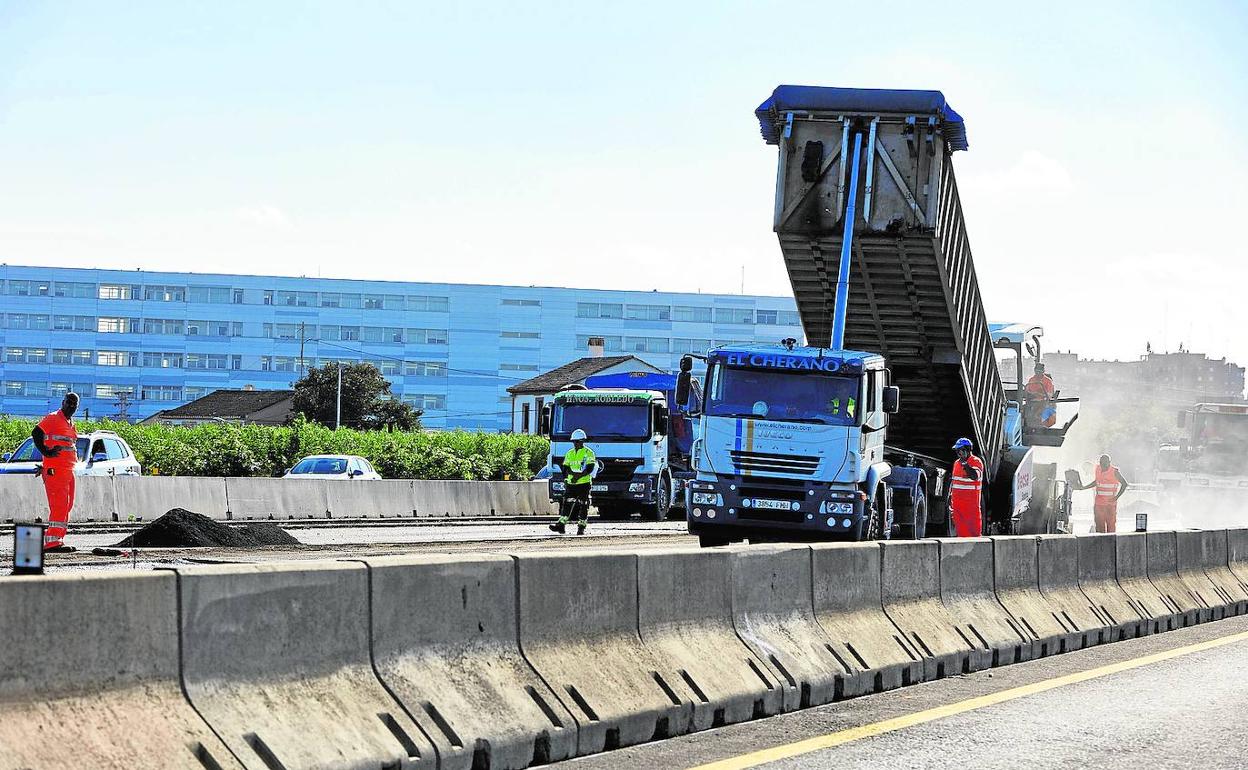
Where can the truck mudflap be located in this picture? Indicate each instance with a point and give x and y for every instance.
(746, 507)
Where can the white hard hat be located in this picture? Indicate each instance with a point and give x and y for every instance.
(579, 435)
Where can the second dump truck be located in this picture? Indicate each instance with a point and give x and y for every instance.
(850, 435)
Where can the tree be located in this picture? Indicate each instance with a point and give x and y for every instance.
(366, 401)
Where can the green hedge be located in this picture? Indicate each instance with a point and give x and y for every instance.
(254, 450)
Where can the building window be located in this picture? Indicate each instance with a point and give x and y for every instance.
(26, 389)
(295, 298)
(27, 321)
(524, 418)
(59, 389)
(611, 344)
(162, 326)
(427, 337)
(162, 360)
(789, 318)
(426, 303)
(647, 345)
(518, 367)
(599, 310)
(209, 361)
(28, 288)
(770, 317)
(372, 302)
(72, 357)
(115, 358)
(220, 295)
(381, 334)
(424, 369)
(387, 366)
(522, 302)
(268, 296)
(73, 289)
(238, 297)
(74, 323)
(520, 335)
(164, 293)
(687, 345)
(734, 315)
(118, 291)
(114, 325)
(190, 393)
(691, 313)
(426, 401)
(112, 390)
(647, 312)
(289, 331)
(161, 393)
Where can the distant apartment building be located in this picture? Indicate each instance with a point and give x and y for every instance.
(1181, 378)
(153, 341)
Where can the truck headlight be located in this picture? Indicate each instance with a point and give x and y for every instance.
(557, 486)
(705, 498)
(637, 486)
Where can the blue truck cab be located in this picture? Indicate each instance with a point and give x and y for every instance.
(792, 446)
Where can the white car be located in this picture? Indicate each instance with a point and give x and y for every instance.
(100, 453)
(334, 467)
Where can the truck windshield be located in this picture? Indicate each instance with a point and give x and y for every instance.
(785, 396)
(603, 422)
(1222, 441)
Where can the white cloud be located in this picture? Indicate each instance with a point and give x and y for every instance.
(265, 215)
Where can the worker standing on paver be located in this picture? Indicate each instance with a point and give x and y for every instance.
(966, 487)
(1110, 485)
(579, 466)
(1039, 392)
(57, 440)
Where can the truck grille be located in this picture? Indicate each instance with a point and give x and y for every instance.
(763, 462)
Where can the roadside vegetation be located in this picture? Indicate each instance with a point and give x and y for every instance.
(254, 450)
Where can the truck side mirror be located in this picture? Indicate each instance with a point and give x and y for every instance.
(1182, 420)
(682, 384)
(660, 419)
(892, 399)
(543, 421)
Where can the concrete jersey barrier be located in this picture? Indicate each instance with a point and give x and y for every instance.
(968, 589)
(1057, 558)
(148, 497)
(1131, 556)
(849, 607)
(1163, 572)
(910, 592)
(1190, 550)
(1237, 554)
(91, 676)
(1016, 574)
(445, 645)
(774, 614)
(684, 605)
(1098, 567)
(578, 629)
(276, 658)
(1215, 558)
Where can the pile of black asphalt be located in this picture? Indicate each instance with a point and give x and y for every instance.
(180, 528)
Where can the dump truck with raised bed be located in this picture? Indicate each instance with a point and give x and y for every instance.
(1208, 466)
(873, 238)
(640, 435)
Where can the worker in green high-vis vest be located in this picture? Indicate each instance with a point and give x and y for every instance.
(578, 466)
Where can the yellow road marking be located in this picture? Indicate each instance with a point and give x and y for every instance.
(786, 751)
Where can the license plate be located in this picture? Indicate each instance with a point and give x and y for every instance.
(772, 505)
(598, 488)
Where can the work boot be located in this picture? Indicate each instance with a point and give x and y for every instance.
(60, 548)
(580, 527)
(558, 527)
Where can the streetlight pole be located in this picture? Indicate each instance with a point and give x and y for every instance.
(338, 406)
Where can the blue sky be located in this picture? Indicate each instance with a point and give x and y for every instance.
(613, 145)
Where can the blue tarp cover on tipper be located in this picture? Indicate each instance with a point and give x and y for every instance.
(824, 99)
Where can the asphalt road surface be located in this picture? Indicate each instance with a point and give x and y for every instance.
(1173, 700)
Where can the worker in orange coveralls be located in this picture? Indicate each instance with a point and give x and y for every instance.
(966, 487)
(56, 439)
(1110, 485)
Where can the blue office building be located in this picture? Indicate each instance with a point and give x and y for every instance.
(137, 342)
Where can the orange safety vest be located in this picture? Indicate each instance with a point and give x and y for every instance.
(1040, 386)
(1107, 486)
(60, 432)
(963, 487)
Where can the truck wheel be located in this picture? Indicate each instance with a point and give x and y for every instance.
(916, 530)
(662, 501)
